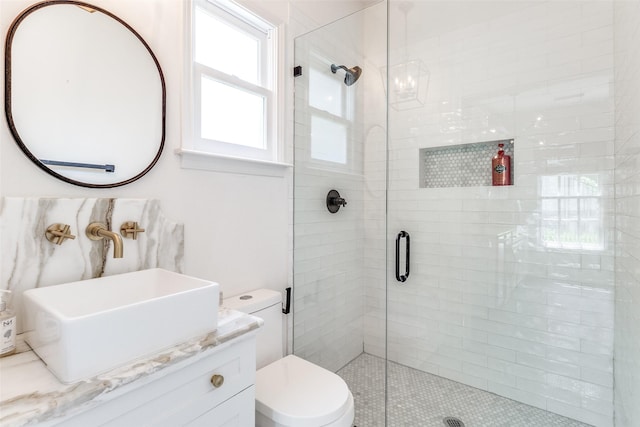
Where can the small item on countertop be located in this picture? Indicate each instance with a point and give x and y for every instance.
(7, 327)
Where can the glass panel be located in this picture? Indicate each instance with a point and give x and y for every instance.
(569, 234)
(591, 234)
(339, 268)
(408, 84)
(569, 209)
(325, 92)
(550, 209)
(224, 48)
(501, 279)
(569, 185)
(328, 140)
(549, 186)
(590, 209)
(590, 185)
(549, 232)
(232, 115)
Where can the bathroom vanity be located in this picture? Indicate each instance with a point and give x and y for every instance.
(207, 381)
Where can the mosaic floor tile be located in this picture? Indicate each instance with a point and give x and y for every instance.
(419, 399)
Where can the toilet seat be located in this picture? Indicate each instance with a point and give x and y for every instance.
(294, 392)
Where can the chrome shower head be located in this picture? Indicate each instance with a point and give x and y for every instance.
(352, 74)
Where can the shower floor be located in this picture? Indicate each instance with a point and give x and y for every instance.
(419, 399)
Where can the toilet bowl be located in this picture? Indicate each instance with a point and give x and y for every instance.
(290, 391)
(294, 392)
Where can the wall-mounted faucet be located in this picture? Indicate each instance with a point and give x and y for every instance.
(99, 231)
(334, 201)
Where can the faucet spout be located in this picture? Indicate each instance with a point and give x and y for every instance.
(98, 231)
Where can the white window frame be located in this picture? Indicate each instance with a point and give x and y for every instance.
(200, 153)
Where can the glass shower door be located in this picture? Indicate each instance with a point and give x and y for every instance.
(510, 288)
(339, 203)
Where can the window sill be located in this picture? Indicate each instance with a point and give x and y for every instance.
(192, 159)
(336, 171)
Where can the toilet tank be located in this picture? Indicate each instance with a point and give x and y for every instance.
(266, 304)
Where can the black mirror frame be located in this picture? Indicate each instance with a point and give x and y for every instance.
(7, 92)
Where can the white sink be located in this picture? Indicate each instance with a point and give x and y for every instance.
(85, 328)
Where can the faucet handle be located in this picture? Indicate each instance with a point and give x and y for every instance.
(58, 233)
(334, 201)
(130, 229)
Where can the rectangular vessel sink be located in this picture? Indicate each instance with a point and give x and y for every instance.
(81, 329)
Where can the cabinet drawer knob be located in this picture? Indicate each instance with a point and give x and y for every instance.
(217, 380)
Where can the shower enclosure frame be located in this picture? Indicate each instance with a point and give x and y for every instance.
(508, 290)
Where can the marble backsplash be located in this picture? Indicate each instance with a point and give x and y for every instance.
(29, 260)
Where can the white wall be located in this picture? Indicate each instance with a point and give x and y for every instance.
(490, 302)
(627, 179)
(236, 226)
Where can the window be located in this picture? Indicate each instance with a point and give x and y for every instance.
(232, 69)
(571, 212)
(331, 105)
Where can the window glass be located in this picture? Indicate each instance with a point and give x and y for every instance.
(571, 217)
(232, 115)
(225, 48)
(328, 140)
(230, 106)
(325, 92)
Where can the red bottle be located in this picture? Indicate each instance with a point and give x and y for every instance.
(501, 167)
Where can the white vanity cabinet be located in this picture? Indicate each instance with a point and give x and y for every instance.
(213, 388)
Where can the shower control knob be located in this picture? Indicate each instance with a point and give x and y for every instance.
(334, 201)
(217, 380)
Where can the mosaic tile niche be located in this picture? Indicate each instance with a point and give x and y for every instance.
(464, 165)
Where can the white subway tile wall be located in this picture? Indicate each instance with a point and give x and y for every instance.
(627, 179)
(511, 289)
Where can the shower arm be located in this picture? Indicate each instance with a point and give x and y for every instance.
(334, 68)
(351, 74)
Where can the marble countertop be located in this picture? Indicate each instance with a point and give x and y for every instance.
(30, 393)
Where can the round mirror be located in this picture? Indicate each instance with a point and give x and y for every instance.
(85, 96)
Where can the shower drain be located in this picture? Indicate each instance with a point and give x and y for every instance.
(452, 422)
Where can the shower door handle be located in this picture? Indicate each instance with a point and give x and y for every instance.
(405, 276)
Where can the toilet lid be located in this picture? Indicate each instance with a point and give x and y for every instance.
(294, 392)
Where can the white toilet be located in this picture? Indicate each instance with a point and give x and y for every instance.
(290, 392)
